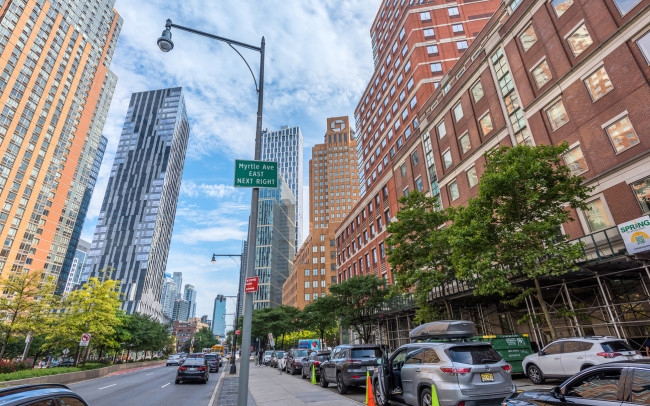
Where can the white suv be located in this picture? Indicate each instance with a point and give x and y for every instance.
(568, 356)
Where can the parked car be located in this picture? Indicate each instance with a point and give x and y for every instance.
(281, 362)
(314, 359)
(41, 394)
(295, 358)
(274, 358)
(174, 360)
(267, 357)
(196, 355)
(66, 362)
(347, 365)
(440, 356)
(213, 362)
(610, 384)
(193, 369)
(568, 356)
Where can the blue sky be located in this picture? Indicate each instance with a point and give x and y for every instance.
(318, 62)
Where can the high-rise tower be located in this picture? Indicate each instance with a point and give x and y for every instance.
(55, 90)
(190, 296)
(168, 297)
(285, 147)
(133, 233)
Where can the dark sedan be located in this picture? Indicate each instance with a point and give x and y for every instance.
(213, 361)
(314, 359)
(609, 384)
(193, 369)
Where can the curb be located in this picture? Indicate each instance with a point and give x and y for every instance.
(217, 388)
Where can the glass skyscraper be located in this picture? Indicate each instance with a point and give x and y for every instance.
(275, 249)
(285, 147)
(134, 228)
(77, 266)
(219, 317)
(190, 296)
(168, 297)
(55, 91)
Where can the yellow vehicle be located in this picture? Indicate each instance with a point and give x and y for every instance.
(218, 348)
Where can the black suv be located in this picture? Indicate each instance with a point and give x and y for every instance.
(348, 364)
(45, 394)
(612, 384)
(213, 361)
(295, 358)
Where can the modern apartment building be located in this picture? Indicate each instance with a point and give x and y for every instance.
(219, 316)
(275, 248)
(285, 147)
(181, 311)
(55, 90)
(133, 233)
(178, 279)
(76, 266)
(334, 190)
(414, 45)
(190, 295)
(242, 277)
(168, 297)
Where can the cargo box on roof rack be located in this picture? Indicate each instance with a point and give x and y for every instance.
(443, 330)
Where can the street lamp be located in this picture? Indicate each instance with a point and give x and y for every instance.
(165, 44)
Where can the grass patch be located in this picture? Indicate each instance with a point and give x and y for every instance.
(34, 373)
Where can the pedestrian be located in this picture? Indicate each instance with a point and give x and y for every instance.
(646, 347)
(260, 355)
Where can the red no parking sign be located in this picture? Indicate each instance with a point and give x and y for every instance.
(85, 339)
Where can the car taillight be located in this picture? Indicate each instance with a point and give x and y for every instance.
(461, 403)
(456, 371)
(507, 368)
(609, 354)
(182, 368)
(201, 368)
(316, 362)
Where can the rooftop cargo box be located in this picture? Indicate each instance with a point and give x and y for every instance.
(446, 329)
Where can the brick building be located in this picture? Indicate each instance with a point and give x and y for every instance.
(183, 331)
(334, 190)
(414, 46)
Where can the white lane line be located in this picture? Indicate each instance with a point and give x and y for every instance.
(107, 386)
(150, 374)
(164, 385)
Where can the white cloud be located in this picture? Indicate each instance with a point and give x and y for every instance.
(191, 189)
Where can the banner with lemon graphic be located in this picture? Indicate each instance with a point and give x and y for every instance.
(636, 234)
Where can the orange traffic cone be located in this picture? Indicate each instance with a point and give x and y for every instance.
(370, 396)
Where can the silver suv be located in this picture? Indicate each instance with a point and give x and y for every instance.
(568, 356)
(442, 359)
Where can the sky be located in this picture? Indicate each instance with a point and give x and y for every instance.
(318, 62)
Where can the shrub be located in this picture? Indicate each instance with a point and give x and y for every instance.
(33, 373)
(14, 366)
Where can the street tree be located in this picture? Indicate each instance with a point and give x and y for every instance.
(420, 255)
(25, 305)
(204, 339)
(279, 321)
(511, 230)
(319, 316)
(358, 300)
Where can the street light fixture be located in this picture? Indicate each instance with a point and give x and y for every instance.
(165, 44)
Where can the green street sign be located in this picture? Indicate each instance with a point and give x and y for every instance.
(256, 174)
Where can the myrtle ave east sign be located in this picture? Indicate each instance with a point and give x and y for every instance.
(256, 174)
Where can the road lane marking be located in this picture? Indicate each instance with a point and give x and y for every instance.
(164, 385)
(150, 374)
(107, 386)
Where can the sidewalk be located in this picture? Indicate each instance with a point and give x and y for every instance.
(268, 387)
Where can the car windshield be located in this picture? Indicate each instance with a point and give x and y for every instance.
(366, 353)
(279, 355)
(268, 352)
(475, 354)
(302, 353)
(194, 361)
(211, 357)
(614, 346)
(321, 357)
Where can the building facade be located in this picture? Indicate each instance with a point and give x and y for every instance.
(190, 295)
(55, 89)
(168, 297)
(219, 317)
(183, 331)
(181, 311)
(242, 277)
(285, 147)
(131, 240)
(178, 279)
(76, 266)
(334, 191)
(275, 250)
(414, 45)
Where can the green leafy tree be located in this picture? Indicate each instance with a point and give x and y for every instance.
(25, 305)
(319, 316)
(510, 230)
(204, 339)
(420, 257)
(279, 321)
(358, 299)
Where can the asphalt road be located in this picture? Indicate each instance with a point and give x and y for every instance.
(149, 386)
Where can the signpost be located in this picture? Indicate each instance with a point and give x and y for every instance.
(256, 174)
(251, 284)
(85, 339)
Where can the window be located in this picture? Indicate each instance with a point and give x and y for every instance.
(315, 296)
(465, 144)
(576, 162)
(402, 169)
(446, 158)
(306, 272)
(557, 115)
(432, 49)
(486, 124)
(457, 28)
(598, 84)
(430, 357)
(477, 91)
(560, 6)
(640, 383)
(414, 158)
(306, 284)
(553, 349)
(461, 45)
(428, 32)
(442, 131)
(414, 356)
(436, 67)
(641, 190)
(472, 177)
(622, 134)
(644, 45)
(624, 6)
(542, 74)
(425, 16)
(597, 218)
(453, 191)
(414, 100)
(602, 385)
(418, 184)
(579, 40)
(406, 191)
(66, 401)
(527, 38)
(453, 11)
(458, 112)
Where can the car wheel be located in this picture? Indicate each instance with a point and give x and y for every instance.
(292, 371)
(302, 373)
(535, 374)
(323, 382)
(425, 397)
(178, 381)
(342, 388)
(377, 394)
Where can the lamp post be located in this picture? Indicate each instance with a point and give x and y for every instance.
(165, 44)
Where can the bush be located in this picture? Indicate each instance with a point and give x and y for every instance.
(33, 373)
(14, 366)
